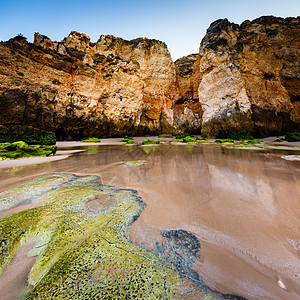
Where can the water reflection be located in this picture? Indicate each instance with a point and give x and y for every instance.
(243, 205)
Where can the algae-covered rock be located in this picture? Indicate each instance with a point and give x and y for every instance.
(21, 149)
(82, 249)
(78, 228)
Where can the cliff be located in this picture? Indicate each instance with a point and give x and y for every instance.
(250, 76)
(245, 78)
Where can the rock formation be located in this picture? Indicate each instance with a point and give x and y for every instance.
(245, 78)
(250, 76)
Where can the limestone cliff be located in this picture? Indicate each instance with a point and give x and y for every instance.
(250, 76)
(78, 88)
(245, 78)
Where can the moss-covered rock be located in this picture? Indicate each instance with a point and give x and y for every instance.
(181, 135)
(218, 141)
(128, 140)
(79, 236)
(91, 140)
(200, 138)
(21, 149)
(150, 142)
(292, 137)
(188, 139)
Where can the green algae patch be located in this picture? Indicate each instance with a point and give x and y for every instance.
(188, 139)
(150, 142)
(83, 251)
(176, 141)
(21, 149)
(181, 135)
(91, 140)
(292, 137)
(200, 138)
(128, 141)
(135, 163)
(218, 141)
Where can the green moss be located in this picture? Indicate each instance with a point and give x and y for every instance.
(176, 141)
(218, 141)
(188, 139)
(30, 137)
(82, 250)
(91, 140)
(21, 149)
(135, 163)
(166, 135)
(149, 142)
(181, 135)
(128, 140)
(200, 138)
(292, 137)
(280, 140)
(253, 142)
(12, 229)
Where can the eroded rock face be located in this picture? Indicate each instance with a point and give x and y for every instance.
(78, 88)
(244, 79)
(187, 109)
(250, 76)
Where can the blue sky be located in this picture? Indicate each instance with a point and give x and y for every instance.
(180, 24)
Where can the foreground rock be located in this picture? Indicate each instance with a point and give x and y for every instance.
(78, 229)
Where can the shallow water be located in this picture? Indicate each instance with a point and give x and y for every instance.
(243, 206)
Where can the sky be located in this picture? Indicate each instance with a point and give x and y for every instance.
(180, 24)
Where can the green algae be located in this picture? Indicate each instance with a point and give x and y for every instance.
(91, 140)
(188, 139)
(83, 254)
(21, 149)
(150, 142)
(135, 163)
(83, 251)
(128, 140)
(176, 141)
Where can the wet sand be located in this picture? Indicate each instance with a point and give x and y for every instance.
(13, 278)
(243, 206)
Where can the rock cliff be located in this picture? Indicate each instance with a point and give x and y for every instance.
(245, 78)
(78, 88)
(250, 76)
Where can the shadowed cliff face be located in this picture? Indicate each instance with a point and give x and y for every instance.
(245, 78)
(250, 76)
